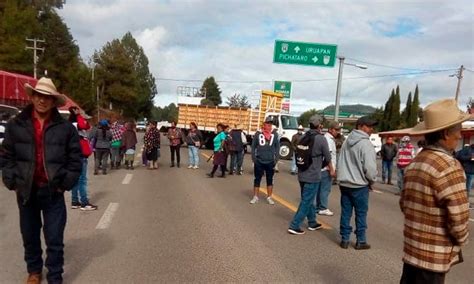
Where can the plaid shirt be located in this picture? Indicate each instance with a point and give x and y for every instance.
(436, 209)
(117, 132)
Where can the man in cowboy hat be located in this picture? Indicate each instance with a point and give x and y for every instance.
(434, 199)
(43, 159)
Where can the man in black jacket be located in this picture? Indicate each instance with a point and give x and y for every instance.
(42, 160)
(388, 152)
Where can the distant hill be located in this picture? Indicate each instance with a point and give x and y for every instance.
(354, 109)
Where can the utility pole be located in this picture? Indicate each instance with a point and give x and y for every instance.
(35, 48)
(459, 76)
(338, 90)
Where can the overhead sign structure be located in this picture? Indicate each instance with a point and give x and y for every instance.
(304, 53)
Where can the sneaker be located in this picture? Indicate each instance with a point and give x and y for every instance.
(240, 173)
(195, 167)
(88, 207)
(344, 244)
(315, 227)
(270, 200)
(361, 246)
(295, 231)
(293, 173)
(326, 212)
(75, 205)
(190, 167)
(254, 200)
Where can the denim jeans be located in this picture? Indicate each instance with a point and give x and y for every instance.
(54, 223)
(306, 208)
(193, 153)
(294, 169)
(114, 155)
(387, 170)
(80, 189)
(236, 160)
(321, 199)
(401, 174)
(357, 199)
(469, 179)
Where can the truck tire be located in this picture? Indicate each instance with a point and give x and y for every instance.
(286, 151)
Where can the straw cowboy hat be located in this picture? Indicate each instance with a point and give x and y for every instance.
(46, 87)
(440, 115)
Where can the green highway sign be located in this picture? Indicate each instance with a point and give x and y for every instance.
(283, 87)
(304, 53)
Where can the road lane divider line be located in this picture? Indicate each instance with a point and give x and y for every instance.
(290, 206)
(107, 217)
(283, 202)
(377, 191)
(127, 179)
(470, 219)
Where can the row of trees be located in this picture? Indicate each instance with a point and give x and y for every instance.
(121, 66)
(392, 118)
(389, 116)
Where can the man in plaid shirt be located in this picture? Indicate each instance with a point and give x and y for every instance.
(434, 199)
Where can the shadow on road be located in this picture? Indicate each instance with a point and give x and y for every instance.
(79, 253)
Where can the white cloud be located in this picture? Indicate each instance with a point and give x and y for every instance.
(233, 40)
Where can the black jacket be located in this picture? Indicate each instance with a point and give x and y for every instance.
(389, 152)
(465, 157)
(62, 154)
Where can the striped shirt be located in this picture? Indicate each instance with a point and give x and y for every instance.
(436, 209)
(405, 155)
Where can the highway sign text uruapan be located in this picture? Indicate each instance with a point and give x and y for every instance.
(303, 53)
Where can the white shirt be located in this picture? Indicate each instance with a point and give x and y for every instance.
(332, 148)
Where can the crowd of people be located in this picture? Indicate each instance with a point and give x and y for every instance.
(45, 155)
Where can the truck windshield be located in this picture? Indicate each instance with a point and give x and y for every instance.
(289, 122)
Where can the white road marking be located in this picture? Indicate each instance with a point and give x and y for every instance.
(470, 219)
(106, 219)
(377, 191)
(127, 178)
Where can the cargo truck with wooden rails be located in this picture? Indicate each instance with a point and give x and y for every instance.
(251, 120)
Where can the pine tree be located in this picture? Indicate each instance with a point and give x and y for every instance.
(211, 89)
(406, 114)
(146, 86)
(395, 111)
(117, 79)
(385, 123)
(415, 109)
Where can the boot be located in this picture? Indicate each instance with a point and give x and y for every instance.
(172, 165)
(96, 172)
(126, 165)
(178, 165)
(389, 181)
(211, 174)
(104, 171)
(117, 165)
(131, 166)
(112, 165)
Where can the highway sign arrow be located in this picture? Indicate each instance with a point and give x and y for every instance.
(297, 49)
(315, 59)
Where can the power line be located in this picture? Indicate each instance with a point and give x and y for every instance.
(392, 67)
(314, 80)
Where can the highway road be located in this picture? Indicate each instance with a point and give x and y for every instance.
(177, 225)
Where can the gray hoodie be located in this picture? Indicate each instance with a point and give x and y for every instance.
(357, 164)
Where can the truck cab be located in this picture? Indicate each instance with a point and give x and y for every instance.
(287, 126)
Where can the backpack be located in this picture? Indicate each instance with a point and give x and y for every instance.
(304, 151)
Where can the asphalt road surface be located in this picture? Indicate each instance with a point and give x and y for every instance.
(177, 225)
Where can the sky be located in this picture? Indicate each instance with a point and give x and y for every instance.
(401, 42)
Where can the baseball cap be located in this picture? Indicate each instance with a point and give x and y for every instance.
(366, 120)
(334, 125)
(300, 127)
(315, 120)
(269, 120)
